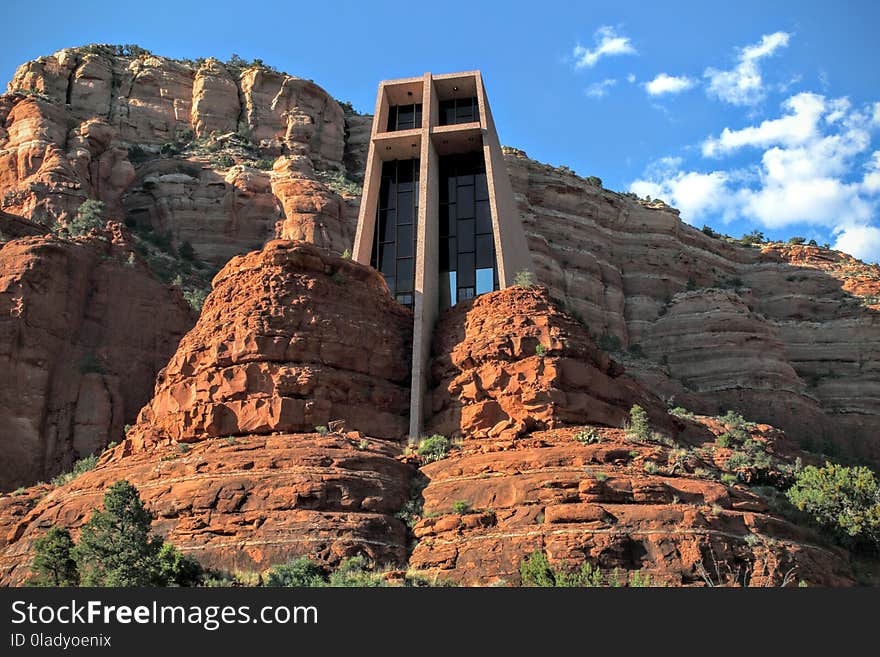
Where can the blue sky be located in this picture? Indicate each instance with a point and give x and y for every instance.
(747, 115)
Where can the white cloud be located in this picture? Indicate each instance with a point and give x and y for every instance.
(743, 85)
(695, 194)
(632, 78)
(607, 43)
(871, 181)
(799, 125)
(668, 84)
(807, 171)
(863, 242)
(600, 89)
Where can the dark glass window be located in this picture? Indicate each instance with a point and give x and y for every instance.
(467, 245)
(394, 241)
(459, 110)
(404, 117)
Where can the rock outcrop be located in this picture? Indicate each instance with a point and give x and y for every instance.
(84, 328)
(237, 504)
(225, 454)
(510, 362)
(174, 147)
(291, 338)
(619, 504)
(655, 291)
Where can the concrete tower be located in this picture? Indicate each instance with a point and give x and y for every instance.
(437, 215)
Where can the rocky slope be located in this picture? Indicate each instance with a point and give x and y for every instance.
(279, 346)
(84, 327)
(785, 335)
(183, 148)
(235, 481)
(175, 147)
(225, 453)
(205, 161)
(202, 156)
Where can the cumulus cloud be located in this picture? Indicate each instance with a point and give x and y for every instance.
(807, 172)
(607, 43)
(796, 127)
(743, 84)
(871, 181)
(631, 78)
(863, 242)
(600, 89)
(668, 84)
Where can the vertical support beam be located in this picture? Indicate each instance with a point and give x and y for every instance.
(426, 299)
(511, 247)
(366, 226)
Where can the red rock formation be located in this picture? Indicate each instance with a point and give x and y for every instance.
(292, 337)
(91, 123)
(238, 504)
(311, 211)
(510, 361)
(635, 272)
(617, 504)
(83, 332)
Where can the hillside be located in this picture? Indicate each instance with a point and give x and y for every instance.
(240, 183)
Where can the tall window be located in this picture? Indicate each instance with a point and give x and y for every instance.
(467, 244)
(459, 110)
(404, 117)
(394, 243)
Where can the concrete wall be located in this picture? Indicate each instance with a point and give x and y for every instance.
(511, 248)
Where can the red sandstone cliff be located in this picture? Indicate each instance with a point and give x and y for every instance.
(84, 327)
(640, 308)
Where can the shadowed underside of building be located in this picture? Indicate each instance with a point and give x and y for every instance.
(437, 215)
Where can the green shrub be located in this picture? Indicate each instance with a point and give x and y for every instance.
(729, 479)
(184, 136)
(678, 411)
(89, 216)
(169, 149)
(638, 580)
(588, 436)
(609, 342)
(195, 298)
(540, 350)
(224, 161)
(461, 507)
(434, 448)
(321, 430)
(525, 278)
(186, 251)
(53, 563)
(115, 547)
(81, 466)
(844, 500)
(265, 165)
(797, 240)
(754, 237)
(535, 570)
(638, 426)
(173, 568)
(356, 572)
(299, 572)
